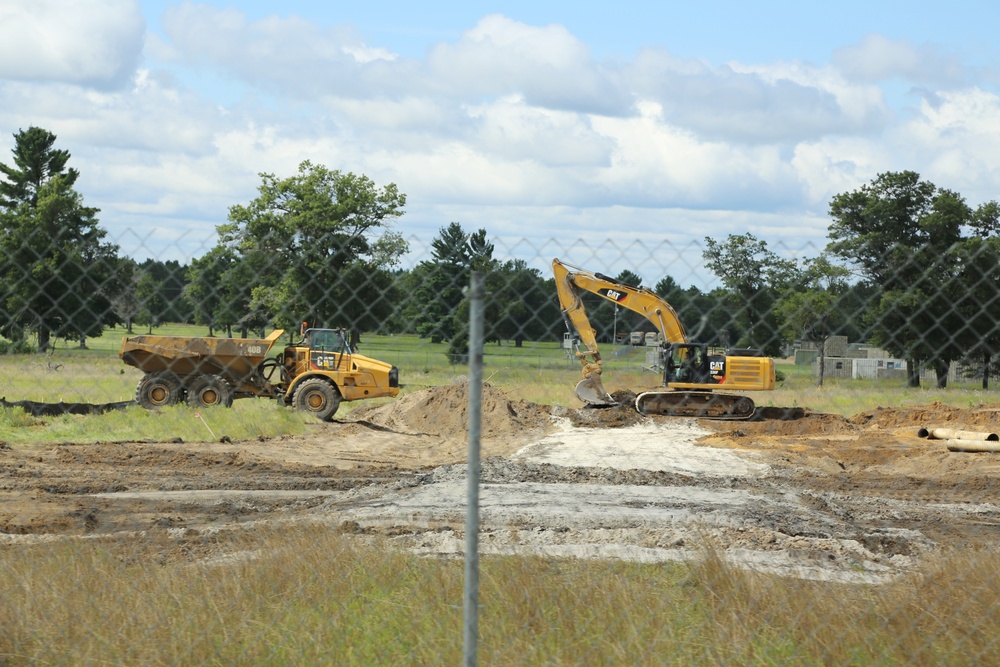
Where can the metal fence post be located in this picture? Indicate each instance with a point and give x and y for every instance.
(471, 616)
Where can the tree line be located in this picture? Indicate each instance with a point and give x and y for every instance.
(909, 267)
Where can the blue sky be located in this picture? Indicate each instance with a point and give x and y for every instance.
(648, 125)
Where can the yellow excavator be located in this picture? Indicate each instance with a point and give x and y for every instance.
(691, 375)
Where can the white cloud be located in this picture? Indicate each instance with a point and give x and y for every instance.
(878, 58)
(956, 139)
(952, 141)
(547, 65)
(280, 55)
(146, 117)
(775, 103)
(87, 42)
(511, 127)
(832, 165)
(658, 163)
(496, 58)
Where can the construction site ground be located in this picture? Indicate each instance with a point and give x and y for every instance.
(855, 499)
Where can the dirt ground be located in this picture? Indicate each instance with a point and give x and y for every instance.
(822, 496)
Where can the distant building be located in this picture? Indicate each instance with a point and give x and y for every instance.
(860, 362)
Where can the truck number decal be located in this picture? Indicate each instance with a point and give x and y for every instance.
(255, 349)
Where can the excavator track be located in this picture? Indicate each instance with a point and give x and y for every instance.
(703, 404)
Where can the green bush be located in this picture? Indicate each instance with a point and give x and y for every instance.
(16, 347)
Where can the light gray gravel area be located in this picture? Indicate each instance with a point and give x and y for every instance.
(643, 493)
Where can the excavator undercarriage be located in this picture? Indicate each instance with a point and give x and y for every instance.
(669, 402)
(706, 404)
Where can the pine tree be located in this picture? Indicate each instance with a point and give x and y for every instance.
(57, 276)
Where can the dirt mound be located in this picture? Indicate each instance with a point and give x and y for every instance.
(443, 411)
(812, 423)
(612, 416)
(934, 415)
(981, 417)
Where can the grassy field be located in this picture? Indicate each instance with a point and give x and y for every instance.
(538, 372)
(302, 594)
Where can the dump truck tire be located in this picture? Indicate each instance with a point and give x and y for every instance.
(318, 397)
(209, 391)
(159, 389)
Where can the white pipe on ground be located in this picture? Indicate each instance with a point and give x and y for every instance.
(973, 446)
(955, 434)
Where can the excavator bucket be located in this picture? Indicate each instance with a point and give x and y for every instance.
(591, 391)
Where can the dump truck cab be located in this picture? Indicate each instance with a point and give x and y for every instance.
(324, 355)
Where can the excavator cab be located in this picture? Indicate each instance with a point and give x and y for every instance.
(686, 363)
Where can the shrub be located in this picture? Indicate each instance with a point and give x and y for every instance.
(16, 347)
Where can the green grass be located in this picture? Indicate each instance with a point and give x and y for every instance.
(538, 372)
(248, 419)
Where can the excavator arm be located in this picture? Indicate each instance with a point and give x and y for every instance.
(570, 282)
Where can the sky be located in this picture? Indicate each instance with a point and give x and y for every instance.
(607, 134)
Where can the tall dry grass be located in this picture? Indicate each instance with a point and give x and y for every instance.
(308, 595)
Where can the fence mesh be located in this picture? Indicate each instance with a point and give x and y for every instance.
(201, 501)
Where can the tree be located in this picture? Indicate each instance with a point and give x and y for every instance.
(36, 163)
(755, 277)
(151, 299)
(905, 237)
(170, 282)
(58, 275)
(610, 321)
(982, 264)
(811, 311)
(202, 286)
(520, 305)
(624, 320)
(124, 300)
(439, 283)
(978, 304)
(316, 246)
(707, 318)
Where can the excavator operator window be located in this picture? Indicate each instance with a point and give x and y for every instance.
(686, 364)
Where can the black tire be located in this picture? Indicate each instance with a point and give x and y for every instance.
(209, 391)
(318, 397)
(157, 390)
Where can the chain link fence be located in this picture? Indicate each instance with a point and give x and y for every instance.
(850, 520)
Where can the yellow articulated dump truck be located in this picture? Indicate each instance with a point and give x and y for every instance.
(315, 374)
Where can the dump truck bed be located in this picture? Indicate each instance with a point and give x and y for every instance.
(233, 358)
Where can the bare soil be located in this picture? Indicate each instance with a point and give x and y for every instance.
(855, 499)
